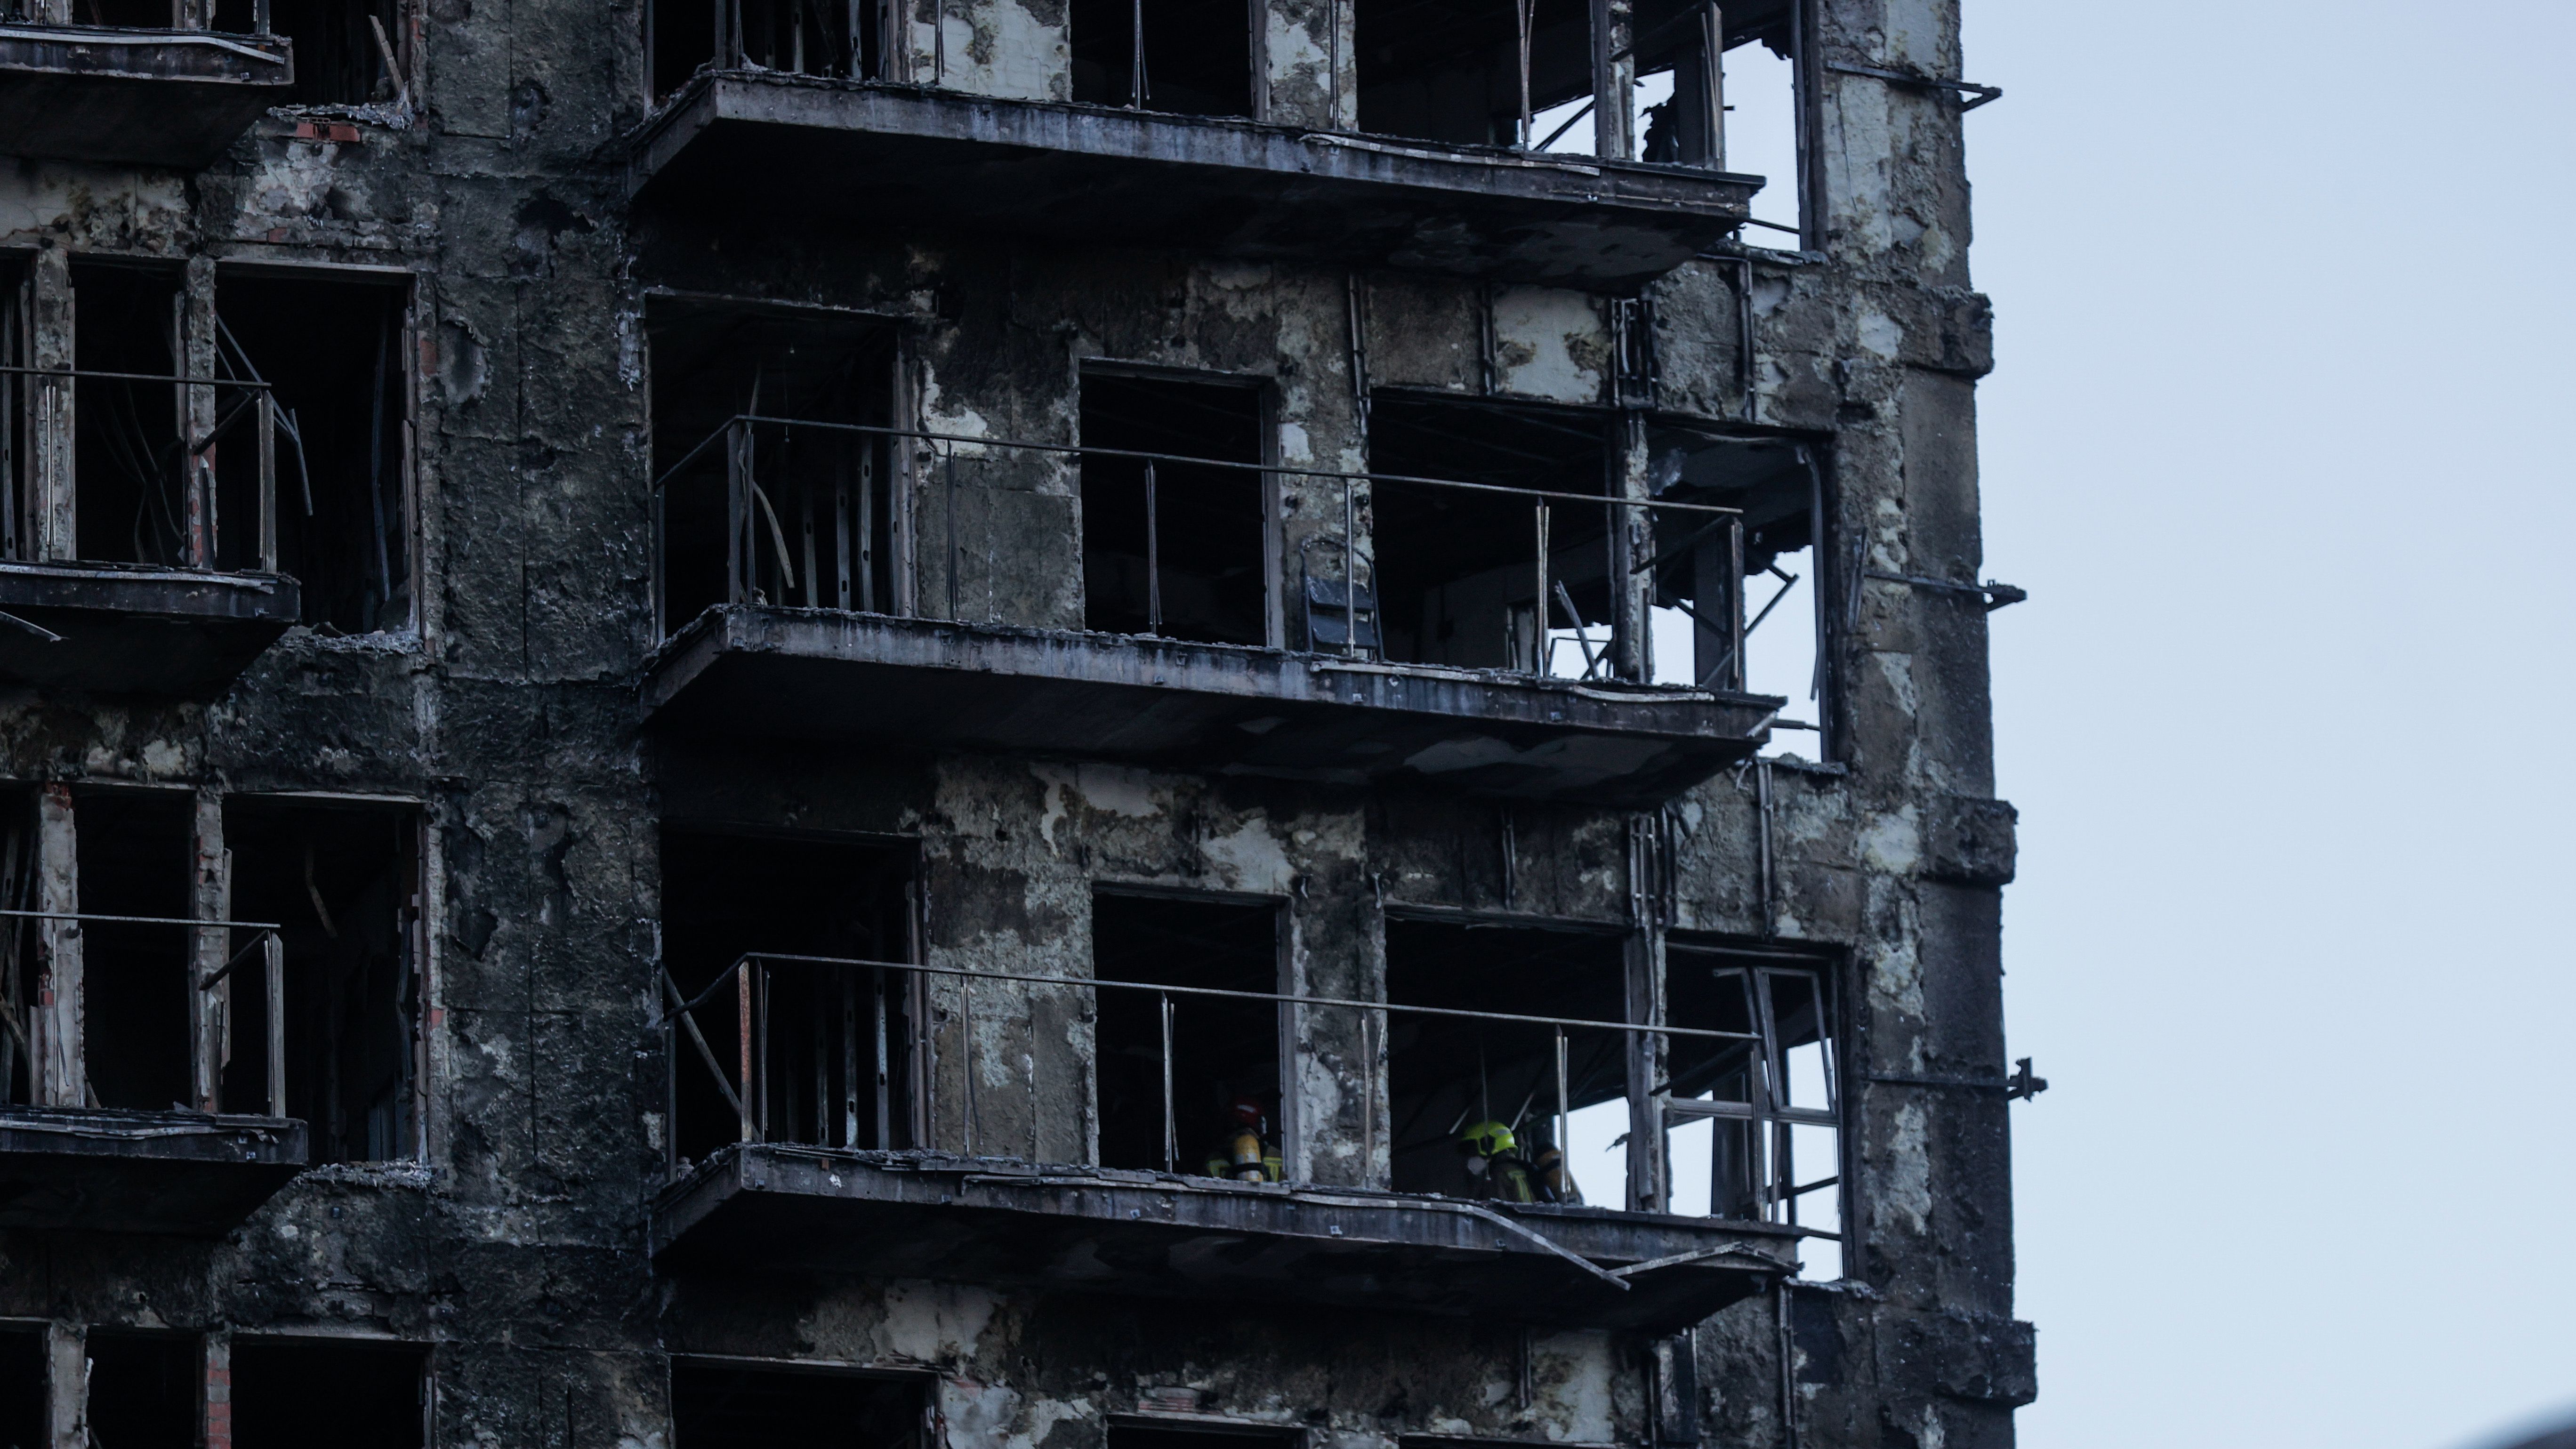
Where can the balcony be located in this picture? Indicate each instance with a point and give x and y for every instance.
(174, 98)
(101, 1170)
(1509, 684)
(130, 629)
(737, 143)
(827, 675)
(902, 1215)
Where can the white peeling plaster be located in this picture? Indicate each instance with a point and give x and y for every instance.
(1897, 978)
(1577, 1370)
(1251, 857)
(996, 49)
(1914, 31)
(936, 1322)
(1893, 843)
(1108, 789)
(1909, 1167)
(1879, 333)
(937, 418)
(42, 197)
(1551, 343)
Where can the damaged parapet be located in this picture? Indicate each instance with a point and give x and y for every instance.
(174, 98)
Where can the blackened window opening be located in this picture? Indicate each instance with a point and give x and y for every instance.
(134, 855)
(843, 38)
(129, 457)
(815, 1029)
(1448, 1074)
(1700, 589)
(1222, 1050)
(1457, 569)
(1193, 567)
(127, 14)
(23, 1397)
(1156, 1436)
(343, 884)
(1754, 1127)
(1449, 70)
(1197, 57)
(144, 1390)
(341, 47)
(286, 1395)
(771, 513)
(17, 411)
(333, 352)
(18, 941)
(728, 1406)
(1679, 122)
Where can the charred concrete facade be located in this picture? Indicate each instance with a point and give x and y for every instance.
(691, 688)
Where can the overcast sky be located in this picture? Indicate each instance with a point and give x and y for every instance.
(2283, 326)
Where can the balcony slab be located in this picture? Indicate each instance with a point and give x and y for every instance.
(842, 677)
(110, 1171)
(738, 144)
(1096, 1230)
(174, 98)
(130, 630)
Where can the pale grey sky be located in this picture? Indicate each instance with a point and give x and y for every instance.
(2283, 325)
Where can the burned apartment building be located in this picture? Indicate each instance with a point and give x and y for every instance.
(1036, 723)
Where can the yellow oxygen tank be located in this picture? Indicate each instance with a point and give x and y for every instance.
(1247, 1155)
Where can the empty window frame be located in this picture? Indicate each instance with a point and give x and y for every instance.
(292, 1393)
(754, 502)
(843, 38)
(343, 882)
(329, 350)
(1458, 570)
(24, 1397)
(1753, 1128)
(1131, 1435)
(832, 1063)
(1446, 1075)
(1760, 119)
(1222, 1051)
(135, 852)
(1711, 574)
(332, 347)
(717, 1405)
(19, 963)
(1181, 56)
(347, 52)
(1443, 70)
(1170, 547)
(1675, 103)
(146, 1390)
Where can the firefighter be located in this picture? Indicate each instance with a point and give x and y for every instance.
(1247, 1153)
(1552, 1182)
(1494, 1163)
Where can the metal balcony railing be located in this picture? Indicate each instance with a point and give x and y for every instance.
(807, 513)
(751, 1082)
(56, 1074)
(176, 477)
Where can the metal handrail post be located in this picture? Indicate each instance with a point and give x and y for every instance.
(273, 963)
(1171, 1122)
(1153, 555)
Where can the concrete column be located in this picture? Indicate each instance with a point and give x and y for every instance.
(1614, 81)
(197, 404)
(209, 1012)
(1631, 592)
(61, 1077)
(55, 518)
(66, 1387)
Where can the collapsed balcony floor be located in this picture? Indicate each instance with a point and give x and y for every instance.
(1072, 1228)
(109, 1170)
(732, 142)
(129, 629)
(834, 676)
(174, 98)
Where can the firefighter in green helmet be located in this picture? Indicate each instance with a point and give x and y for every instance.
(1501, 1172)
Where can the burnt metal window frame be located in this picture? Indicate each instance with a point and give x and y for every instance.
(1175, 1421)
(924, 1384)
(1265, 390)
(870, 42)
(1284, 979)
(39, 438)
(905, 467)
(418, 940)
(745, 1086)
(423, 1354)
(1766, 1110)
(1139, 77)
